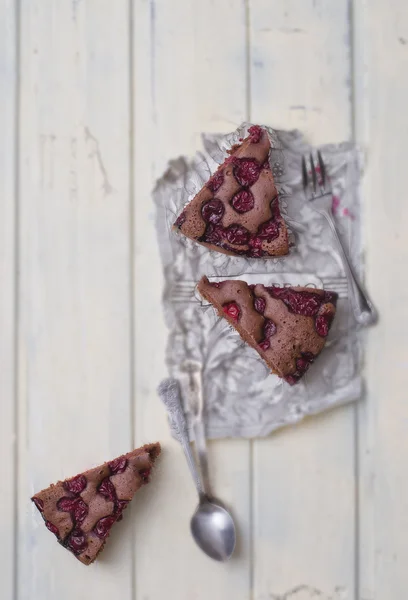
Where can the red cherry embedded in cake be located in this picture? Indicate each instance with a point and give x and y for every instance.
(213, 234)
(255, 133)
(77, 541)
(269, 328)
(103, 526)
(237, 234)
(76, 485)
(232, 310)
(107, 489)
(216, 181)
(243, 201)
(246, 171)
(322, 324)
(118, 465)
(269, 230)
(259, 304)
(213, 211)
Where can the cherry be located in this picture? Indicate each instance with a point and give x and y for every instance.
(75, 506)
(232, 310)
(292, 379)
(76, 485)
(309, 356)
(265, 344)
(323, 323)
(118, 465)
(269, 328)
(236, 234)
(213, 211)
(39, 503)
(103, 526)
(77, 541)
(120, 507)
(216, 181)
(216, 284)
(246, 171)
(52, 528)
(302, 365)
(269, 230)
(107, 489)
(255, 133)
(255, 253)
(255, 242)
(181, 219)
(213, 234)
(243, 201)
(301, 303)
(259, 305)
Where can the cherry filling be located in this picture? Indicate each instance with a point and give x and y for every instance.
(75, 506)
(236, 234)
(269, 230)
(76, 485)
(107, 489)
(103, 526)
(323, 323)
(213, 211)
(181, 219)
(259, 305)
(246, 171)
(118, 465)
(330, 297)
(255, 133)
(243, 201)
(216, 181)
(77, 541)
(269, 330)
(299, 302)
(232, 310)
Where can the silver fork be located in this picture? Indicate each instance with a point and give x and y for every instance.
(319, 193)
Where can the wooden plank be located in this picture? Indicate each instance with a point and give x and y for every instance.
(8, 100)
(74, 337)
(304, 477)
(194, 82)
(381, 126)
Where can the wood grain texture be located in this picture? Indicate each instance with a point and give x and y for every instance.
(74, 331)
(382, 127)
(304, 530)
(193, 81)
(8, 274)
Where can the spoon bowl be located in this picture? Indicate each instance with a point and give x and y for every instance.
(213, 529)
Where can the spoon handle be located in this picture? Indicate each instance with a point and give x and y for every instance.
(196, 403)
(169, 392)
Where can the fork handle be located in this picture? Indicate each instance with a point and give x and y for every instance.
(364, 311)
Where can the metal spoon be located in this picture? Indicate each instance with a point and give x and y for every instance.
(211, 525)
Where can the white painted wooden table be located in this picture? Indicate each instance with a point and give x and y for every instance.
(96, 96)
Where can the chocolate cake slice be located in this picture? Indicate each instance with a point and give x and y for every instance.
(237, 210)
(82, 510)
(287, 326)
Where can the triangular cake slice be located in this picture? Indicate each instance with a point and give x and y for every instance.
(287, 326)
(237, 210)
(82, 510)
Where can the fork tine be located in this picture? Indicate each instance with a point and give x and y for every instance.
(322, 168)
(305, 178)
(314, 176)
